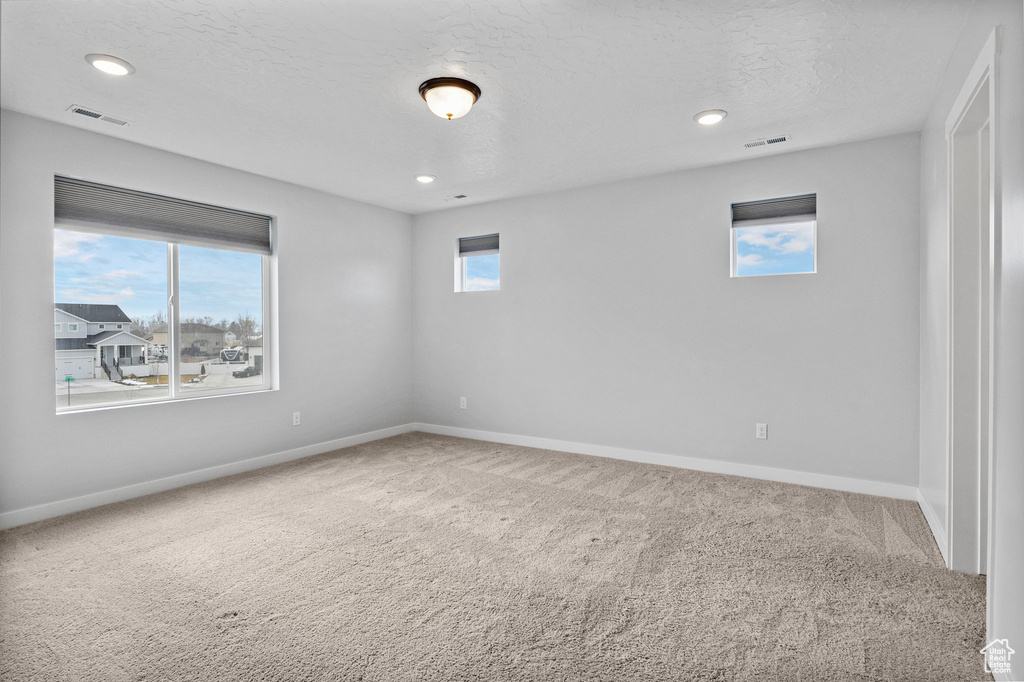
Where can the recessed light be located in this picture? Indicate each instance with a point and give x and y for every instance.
(109, 64)
(710, 117)
(449, 97)
(425, 179)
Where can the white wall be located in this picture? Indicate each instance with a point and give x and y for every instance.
(1007, 603)
(344, 270)
(618, 324)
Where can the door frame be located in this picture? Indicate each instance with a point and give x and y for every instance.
(963, 497)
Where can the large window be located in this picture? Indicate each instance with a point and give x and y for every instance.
(160, 298)
(775, 236)
(478, 264)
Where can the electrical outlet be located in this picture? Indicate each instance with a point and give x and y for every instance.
(761, 431)
(462, 403)
(296, 419)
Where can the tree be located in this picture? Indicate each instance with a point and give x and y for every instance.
(244, 328)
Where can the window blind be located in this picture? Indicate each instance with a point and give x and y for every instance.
(803, 207)
(82, 205)
(478, 246)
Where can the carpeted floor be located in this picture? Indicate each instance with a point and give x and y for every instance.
(429, 558)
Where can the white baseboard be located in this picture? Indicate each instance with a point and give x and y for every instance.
(19, 517)
(933, 522)
(852, 485)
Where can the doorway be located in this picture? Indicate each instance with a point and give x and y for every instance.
(972, 244)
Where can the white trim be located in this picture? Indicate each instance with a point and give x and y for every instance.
(933, 523)
(979, 72)
(20, 517)
(173, 324)
(852, 485)
(983, 71)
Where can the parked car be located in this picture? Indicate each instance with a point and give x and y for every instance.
(249, 371)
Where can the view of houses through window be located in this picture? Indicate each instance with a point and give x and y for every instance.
(111, 320)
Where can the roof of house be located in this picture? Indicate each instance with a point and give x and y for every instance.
(72, 344)
(94, 312)
(103, 336)
(191, 328)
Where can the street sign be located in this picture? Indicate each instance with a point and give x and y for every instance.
(68, 377)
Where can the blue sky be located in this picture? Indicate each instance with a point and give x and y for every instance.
(774, 249)
(132, 273)
(482, 272)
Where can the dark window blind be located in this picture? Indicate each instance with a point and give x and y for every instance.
(474, 246)
(804, 207)
(83, 205)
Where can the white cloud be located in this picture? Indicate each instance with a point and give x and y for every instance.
(751, 259)
(106, 279)
(118, 274)
(98, 296)
(793, 238)
(85, 258)
(481, 284)
(68, 243)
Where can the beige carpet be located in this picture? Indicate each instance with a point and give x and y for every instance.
(429, 558)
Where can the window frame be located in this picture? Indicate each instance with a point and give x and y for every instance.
(175, 392)
(58, 328)
(173, 331)
(73, 327)
(763, 213)
(462, 261)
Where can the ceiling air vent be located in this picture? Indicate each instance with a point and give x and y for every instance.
(765, 141)
(96, 115)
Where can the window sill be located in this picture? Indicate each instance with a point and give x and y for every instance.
(160, 401)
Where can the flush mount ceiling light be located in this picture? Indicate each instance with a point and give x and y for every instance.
(710, 117)
(449, 97)
(425, 179)
(112, 65)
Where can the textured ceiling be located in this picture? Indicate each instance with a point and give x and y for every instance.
(575, 92)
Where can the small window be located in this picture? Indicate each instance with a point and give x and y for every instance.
(102, 326)
(478, 264)
(56, 327)
(775, 236)
(120, 326)
(72, 327)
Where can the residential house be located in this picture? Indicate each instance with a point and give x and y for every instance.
(94, 341)
(197, 339)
